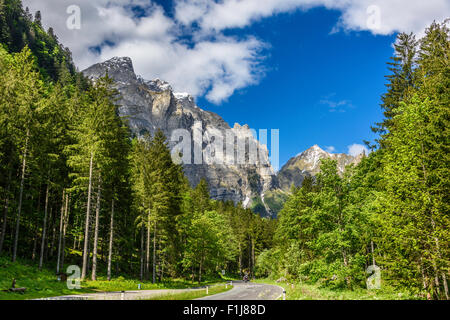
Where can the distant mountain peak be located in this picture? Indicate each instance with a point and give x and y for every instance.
(315, 149)
(307, 163)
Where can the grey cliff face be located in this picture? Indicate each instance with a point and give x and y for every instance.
(152, 105)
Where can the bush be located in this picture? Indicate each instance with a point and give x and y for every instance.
(267, 263)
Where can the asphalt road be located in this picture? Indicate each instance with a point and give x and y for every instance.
(240, 291)
(248, 291)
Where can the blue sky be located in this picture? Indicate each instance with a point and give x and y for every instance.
(308, 71)
(314, 69)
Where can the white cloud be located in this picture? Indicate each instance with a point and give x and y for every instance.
(356, 149)
(394, 15)
(215, 67)
(330, 149)
(211, 64)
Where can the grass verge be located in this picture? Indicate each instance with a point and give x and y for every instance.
(306, 291)
(194, 294)
(43, 283)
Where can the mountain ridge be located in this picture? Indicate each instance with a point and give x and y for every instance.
(152, 104)
(307, 163)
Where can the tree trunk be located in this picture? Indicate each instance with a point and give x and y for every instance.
(88, 265)
(253, 258)
(444, 280)
(249, 253)
(5, 211)
(161, 263)
(75, 236)
(142, 253)
(86, 227)
(66, 221)
(436, 281)
(240, 259)
(97, 218)
(19, 209)
(438, 251)
(344, 256)
(111, 238)
(373, 255)
(422, 271)
(61, 225)
(200, 270)
(47, 243)
(44, 228)
(54, 224)
(147, 262)
(33, 253)
(154, 255)
(36, 233)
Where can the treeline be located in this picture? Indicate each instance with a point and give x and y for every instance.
(392, 210)
(78, 188)
(18, 28)
(181, 230)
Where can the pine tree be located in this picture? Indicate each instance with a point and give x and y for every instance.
(400, 81)
(27, 89)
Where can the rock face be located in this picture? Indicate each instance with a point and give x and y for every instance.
(151, 105)
(307, 163)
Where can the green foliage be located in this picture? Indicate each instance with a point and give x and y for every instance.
(267, 263)
(258, 206)
(67, 157)
(39, 284)
(81, 164)
(299, 290)
(275, 200)
(44, 283)
(18, 30)
(392, 209)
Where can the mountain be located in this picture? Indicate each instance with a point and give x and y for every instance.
(151, 105)
(148, 105)
(307, 163)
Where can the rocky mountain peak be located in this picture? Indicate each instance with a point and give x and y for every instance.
(118, 68)
(152, 104)
(315, 149)
(307, 163)
(149, 105)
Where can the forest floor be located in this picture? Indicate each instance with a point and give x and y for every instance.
(44, 283)
(306, 291)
